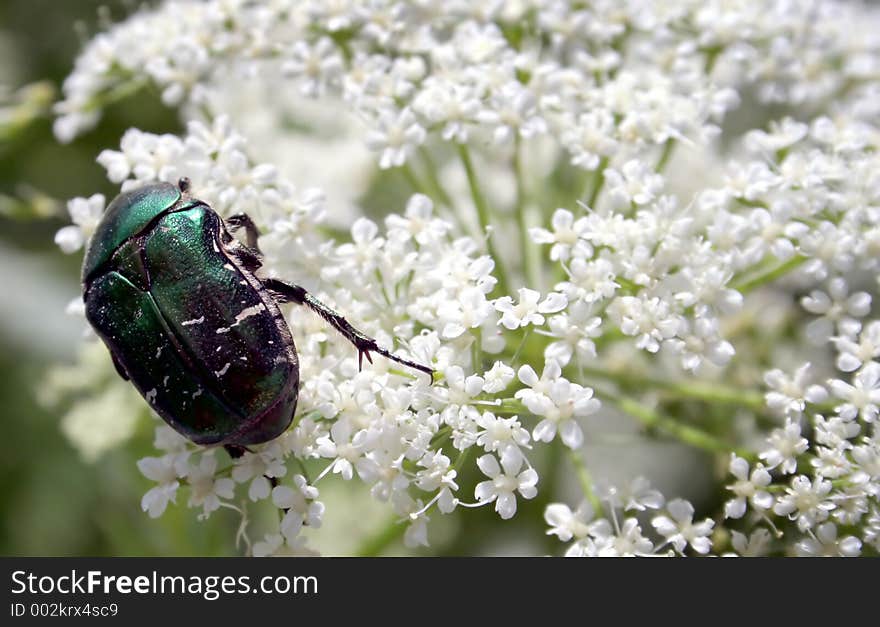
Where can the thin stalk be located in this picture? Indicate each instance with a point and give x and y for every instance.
(412, 178)
(747, 284)
(598, 180)
(668, 148)
(585, 479)
(117, 92)
(433, 179)
(431, 187)
(528, 250)
(477, 350)
(687, 434)
(483, 215)
(390, 533)
(700, 390)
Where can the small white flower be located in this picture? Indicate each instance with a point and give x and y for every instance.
(512, 110)
(258, 468)
(396, 137)
(838, 311)
(416, 533)
(785, 446)
(566, 524)
(560, 402)
(862, 397)
(528, 310)
(497, 378)
(634, 183)
(853, 354)
(344, 445)
(591, 138)
(552, 371)
(824, 543)
(782, 135)
(757, 544)
(564, 404)
(679, 529)
(565, 235)
(805, 502)
(505, 480)
(163, 471)
(650, 321)
(469, 311)
(789, 396)
(315, 65)
(206, 488)
(499, 433)
(575, 329)
(300, 505)
(747, 488)
(276, 545)
(85, 213)
(627, 542)
(640, 496)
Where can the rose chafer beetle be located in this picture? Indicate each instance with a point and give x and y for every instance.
(177, 301)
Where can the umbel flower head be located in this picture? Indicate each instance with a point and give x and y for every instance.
(523, 188)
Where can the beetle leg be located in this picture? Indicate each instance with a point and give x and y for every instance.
(236, 450)
(290, 293)
(246, 255)
(251, 232)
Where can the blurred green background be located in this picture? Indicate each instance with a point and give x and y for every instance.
(51, 501)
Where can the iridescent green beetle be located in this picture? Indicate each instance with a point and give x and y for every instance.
(177, 301)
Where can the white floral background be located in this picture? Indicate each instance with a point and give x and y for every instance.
(638, 241)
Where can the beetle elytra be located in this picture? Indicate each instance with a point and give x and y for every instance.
(177, 301)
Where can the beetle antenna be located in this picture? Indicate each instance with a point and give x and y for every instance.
(184, 184)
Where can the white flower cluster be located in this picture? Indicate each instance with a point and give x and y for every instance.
(580, 204)
(821, 469)
(611, 537)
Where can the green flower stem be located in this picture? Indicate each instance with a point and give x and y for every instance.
(438, 192)
(477, 350)
(433, 179)
(687, 434)
(29, 104)
(430, 188)
(598, 181)
(700, 390)
(413, 180)
(651, 419)
(483, 216)
(461, 459)
(766, 275)
(441, 437)
(585, 479)
(374, 545)
(528, 250)
(668, 149)
(119, 91)
(712, 55)
(302, 469)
